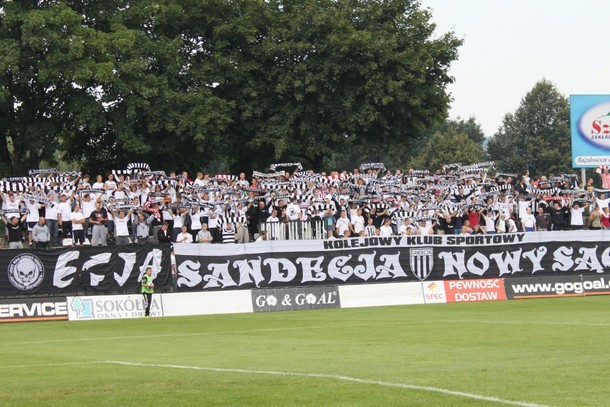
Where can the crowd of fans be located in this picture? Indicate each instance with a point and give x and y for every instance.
(139, 206)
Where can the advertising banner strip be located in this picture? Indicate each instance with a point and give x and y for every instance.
(491, 289)
(434, 292)
(88, 308)
(91, 270)
(299, 298)
(33, 309)
(596, 284)
(207, 303)
(376, 295)
(544, 287)
(590, 130)
(395, 259)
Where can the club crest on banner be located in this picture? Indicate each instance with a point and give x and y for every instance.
(25, 272)
(421, 261)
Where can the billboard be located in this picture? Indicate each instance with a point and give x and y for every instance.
(590, 129)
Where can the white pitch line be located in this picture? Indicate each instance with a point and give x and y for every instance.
(297, 374)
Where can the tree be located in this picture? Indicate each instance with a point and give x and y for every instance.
(537, 135)
(447, 148)
(230, 84)
(348, 75)
(469, 127)
(47, 63)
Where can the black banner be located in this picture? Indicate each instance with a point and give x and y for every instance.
(542, 287)
(387, 259)
(298, 298)
(87, 270)
(33, 309)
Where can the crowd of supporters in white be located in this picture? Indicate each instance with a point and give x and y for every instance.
(140, 206)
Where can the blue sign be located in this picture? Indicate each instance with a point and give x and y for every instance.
(590, 127)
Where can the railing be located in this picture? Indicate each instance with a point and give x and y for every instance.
(293, 230)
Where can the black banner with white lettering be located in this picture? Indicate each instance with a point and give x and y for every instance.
(388, 259)
(87, 270)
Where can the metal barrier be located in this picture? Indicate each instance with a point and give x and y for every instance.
(293, 230)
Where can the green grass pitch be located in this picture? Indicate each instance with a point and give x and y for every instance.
(533, 352)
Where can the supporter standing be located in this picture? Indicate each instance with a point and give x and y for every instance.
(50, 214)
(14, 228)
(241, 234)
(64, 212)
(204, 235)
(558, 214)
(528, 221)
(343, 224)
(605, 218)
(490, 217)
(98, 219)
(121, 227)
(77, 220)
(595, 219)
(33, 215)
(576, 216)
(543, 220)
(605, 175)
(164, 235)
(41, 235)
(370, 229)
(184, 236)
(358, 222)
(228, 233)
(329, 222)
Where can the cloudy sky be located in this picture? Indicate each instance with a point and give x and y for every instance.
(511, 45)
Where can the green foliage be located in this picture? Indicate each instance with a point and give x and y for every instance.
(236, 84)
(447, 148)
(469, 127)
(537, 135)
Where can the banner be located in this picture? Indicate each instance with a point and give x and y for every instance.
(390, 259)
(489, 289)
(543, 287)
(112, 307)
(33, 309)
(284, 299)
(89, 270)
(590, 130)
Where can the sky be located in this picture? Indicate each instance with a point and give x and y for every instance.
(511, 45)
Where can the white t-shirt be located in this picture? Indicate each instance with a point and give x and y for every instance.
(358, 222)
(576, 216)
(181, 236)
(50, 211)
(196, 220)
(177, 221)
(87, 207)
(342, 226)
(76, 216)
(32, 208)
(293, 211)
(65, 209)
(120, 226)
(385, 231)
(529, 220)
(11, 205)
